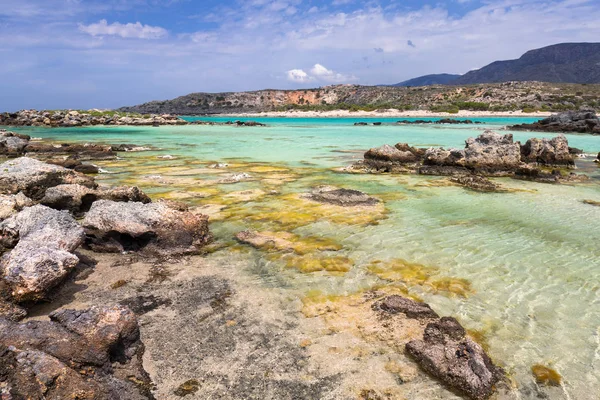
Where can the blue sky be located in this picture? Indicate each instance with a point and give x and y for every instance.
(105, 54)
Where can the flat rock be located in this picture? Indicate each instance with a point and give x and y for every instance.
(116, 227)
(412, 309)
(448, 354)
(341, 197)
(33, 177)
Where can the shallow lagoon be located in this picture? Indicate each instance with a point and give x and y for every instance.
(521, 268)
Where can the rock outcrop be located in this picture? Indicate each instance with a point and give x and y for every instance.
(570, 121)
(341, 197)
(84, 354)
(117, 227)
(41, 242)
(78, 199)
(12, 143)
(456, 360)
(489, 154)
(33, 177)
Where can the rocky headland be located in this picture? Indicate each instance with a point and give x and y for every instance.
(74, 118)
(571, 121)
(489, 155)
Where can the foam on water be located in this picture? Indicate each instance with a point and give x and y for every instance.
(529, 257)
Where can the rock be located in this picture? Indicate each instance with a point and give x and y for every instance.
(13, 203)
(10, 311)
(571, 121)
(547, 152)
(43, 241)
(360, 124)
(12, 143)
(456, 360)
(397, 304)
(154, 227)
(531, 173)
(390, 154)
(33, 177)
(341, 197)
(575, 151)
(73, 356)
(235, 178)
(489, 152)
(77, 199)
(475, 182)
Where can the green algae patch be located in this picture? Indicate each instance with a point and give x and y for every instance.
(546, 376)
(450, 286)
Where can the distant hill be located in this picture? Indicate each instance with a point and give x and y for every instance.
(427, 80)
(559, 63)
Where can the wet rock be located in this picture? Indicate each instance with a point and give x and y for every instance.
(592, 202)
(43, 241)
(188, 387)
(531, 173)
(570, 121)
(456, 360)
(360, 124)
(475, 182)
(397, 304)
(546, 376)
(342, 197)
(33, 177)
(13, 203)
(133, 226)
(235, 178)
(547, 152)
(86, 354)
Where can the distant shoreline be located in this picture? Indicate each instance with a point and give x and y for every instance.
(385, 114)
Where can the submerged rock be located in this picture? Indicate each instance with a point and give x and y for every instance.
(33, 177)
(72, 356)
(116, 227)
(42, 242)
(475, 182)
(397, 304)
(452, 357)
(342, 197)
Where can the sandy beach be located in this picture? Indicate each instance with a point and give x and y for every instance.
(391, 113)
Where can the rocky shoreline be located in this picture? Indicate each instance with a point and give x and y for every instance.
(51, 216)
(571, 121)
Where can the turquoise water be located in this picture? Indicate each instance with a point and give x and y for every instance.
(531, 256)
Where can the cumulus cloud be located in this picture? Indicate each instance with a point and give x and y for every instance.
(128, 31)
(298, 75)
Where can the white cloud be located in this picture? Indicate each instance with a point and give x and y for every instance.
(330, 76)
(136, 31)
(298, 75)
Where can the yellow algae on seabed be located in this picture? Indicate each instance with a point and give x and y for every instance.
(315, 263)
(287, 241)
(414, 274)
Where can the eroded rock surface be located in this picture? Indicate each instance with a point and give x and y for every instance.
(452, 357)
(341, 197)
(570, 121)
(41, 241)
(84, 354)
(33, 177)
(116, 227)
(553, 151)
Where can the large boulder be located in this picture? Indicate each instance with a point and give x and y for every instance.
(74, 355)
(489, 152)
(388, 153)
(33, 177)
(42, 242)
(548, 152)
(116, 227)
(78, 199)
(448, 354)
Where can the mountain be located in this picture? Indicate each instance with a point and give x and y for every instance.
(428, 80)
(559, 63)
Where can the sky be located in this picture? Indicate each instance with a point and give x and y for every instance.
(111, 53)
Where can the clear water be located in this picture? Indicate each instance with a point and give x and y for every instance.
(531, 256)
